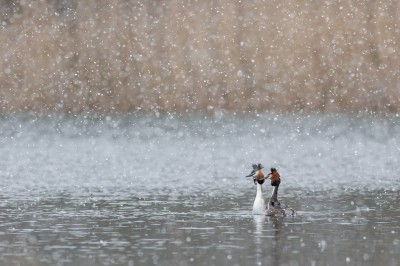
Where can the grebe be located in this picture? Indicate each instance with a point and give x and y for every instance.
(274, 206)
(258, 178)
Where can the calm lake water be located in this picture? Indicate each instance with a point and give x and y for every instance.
(170, 190)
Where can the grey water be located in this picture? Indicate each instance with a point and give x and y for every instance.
(171, 189)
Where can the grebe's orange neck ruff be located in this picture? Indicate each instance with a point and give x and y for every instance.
(275, 177)
(257, 174)
(258, 177)
(275, 181)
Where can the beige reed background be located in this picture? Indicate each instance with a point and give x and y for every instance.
(123, 55)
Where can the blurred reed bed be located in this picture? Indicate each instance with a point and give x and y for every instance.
(121, 55)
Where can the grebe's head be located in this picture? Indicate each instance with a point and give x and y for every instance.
(257, 174)
(275, 177)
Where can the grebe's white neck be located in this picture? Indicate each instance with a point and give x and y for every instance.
(259, 203)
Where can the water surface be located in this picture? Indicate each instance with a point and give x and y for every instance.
(170, 190)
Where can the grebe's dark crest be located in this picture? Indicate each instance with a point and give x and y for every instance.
(257, 174)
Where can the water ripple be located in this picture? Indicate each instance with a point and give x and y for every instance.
(141, 190)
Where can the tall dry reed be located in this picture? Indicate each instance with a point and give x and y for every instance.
(199, 55)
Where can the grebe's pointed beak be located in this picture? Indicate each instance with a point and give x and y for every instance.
(252, 173)
(268, 176)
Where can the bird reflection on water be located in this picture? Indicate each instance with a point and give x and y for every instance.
(102, 209)
(267, 227)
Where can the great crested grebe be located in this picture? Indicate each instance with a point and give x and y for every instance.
(258, 178)
(274, 206)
